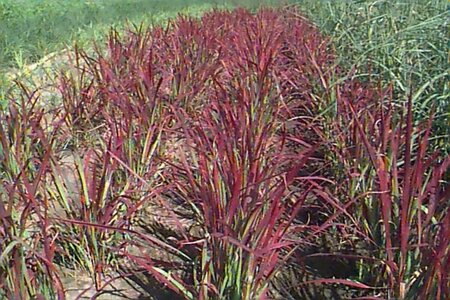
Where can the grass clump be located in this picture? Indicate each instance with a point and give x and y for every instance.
(230, 173)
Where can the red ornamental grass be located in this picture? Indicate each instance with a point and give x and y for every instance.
(233, 177)
(27, 240)
(406, 206)
(223, 85)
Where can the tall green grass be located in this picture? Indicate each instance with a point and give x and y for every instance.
(403, 42)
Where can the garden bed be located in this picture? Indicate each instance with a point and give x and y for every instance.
(218, 158)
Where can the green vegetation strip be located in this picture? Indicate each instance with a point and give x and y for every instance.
(31, 29)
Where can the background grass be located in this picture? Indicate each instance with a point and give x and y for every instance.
(30, 29)
(399, 42)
